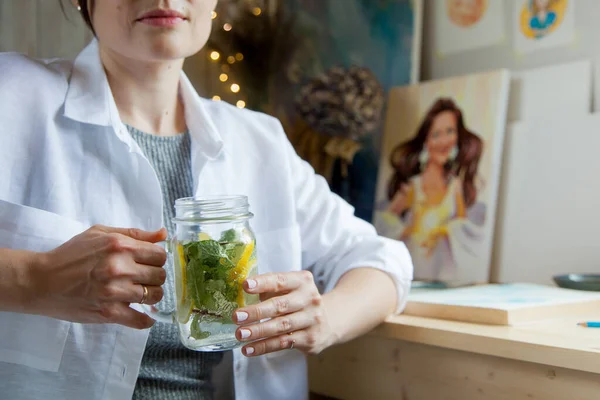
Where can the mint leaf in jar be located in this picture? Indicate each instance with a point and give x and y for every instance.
(229, 236)
(196, 331)
(234, 251)
(208, 271)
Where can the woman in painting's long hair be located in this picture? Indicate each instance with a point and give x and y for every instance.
(434, 183)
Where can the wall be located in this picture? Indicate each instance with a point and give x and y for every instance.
(587, 14)
(530, 208)
(40, 29)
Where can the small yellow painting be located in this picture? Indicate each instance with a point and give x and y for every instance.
(539, 18)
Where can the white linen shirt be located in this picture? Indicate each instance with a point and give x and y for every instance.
(67, 162)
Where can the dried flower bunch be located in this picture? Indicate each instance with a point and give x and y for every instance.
(346, 102)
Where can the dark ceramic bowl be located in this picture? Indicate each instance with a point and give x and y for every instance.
(588, 282)
(428, 285)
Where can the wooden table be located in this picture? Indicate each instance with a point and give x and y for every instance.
(412, 358)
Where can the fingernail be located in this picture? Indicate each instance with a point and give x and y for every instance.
(249, 350)
(251, 283)
(245, 333)
(241, 316)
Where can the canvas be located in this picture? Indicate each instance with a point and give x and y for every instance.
(382, 35)
(549, 196)
(349, 53)
(463, 25)
(439, 172)
(543, 24)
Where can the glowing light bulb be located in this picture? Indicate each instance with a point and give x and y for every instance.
(214, 55)
(239, 56)
(223, 77)
(225, 68)
(216, 98)
(227, 27)
(231, 59)
(235, 88)
(214, 15)
(241, 104)
(256, 11)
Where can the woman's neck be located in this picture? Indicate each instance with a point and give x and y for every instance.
(542, 14)
(146, 93)
(434, 171)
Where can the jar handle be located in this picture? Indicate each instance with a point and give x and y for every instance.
(152, 311)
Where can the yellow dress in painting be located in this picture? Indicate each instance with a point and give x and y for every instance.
(426, 232)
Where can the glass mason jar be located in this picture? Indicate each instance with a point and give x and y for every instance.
(213, 252)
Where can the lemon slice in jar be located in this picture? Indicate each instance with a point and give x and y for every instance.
(241, 270)
(202, 236)
(243, 297)
(184, 309)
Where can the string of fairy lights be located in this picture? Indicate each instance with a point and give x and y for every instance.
(227, 62)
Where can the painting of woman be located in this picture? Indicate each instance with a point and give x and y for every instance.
(465, 13)
(543, 17)
(433, 185)
(439, 171)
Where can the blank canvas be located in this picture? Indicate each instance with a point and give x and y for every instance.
(564, 89)
(548, 201)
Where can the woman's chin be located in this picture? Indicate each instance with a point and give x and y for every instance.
(440, 160)
(165, 49)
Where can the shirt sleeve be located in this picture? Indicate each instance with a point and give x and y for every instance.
(334, 240)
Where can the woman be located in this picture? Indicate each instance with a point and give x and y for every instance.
(433, 185)
(93, 154)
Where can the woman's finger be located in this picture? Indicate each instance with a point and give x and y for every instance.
(137, 234)
(127, 292)
(122, 314)
(147, 275)
(283, 282)
(278, 326)
(274, 307)
(149, 254)
(302, 340)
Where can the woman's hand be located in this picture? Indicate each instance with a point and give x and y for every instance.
(433, 238)
(96, 275)
(296, 315)
(402, 200)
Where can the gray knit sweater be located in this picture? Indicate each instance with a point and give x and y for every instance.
(170, 371)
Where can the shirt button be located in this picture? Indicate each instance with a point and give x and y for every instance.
(238, 366)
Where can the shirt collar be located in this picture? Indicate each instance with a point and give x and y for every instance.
(89, 100)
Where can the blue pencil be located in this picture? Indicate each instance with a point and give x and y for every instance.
(590, 324)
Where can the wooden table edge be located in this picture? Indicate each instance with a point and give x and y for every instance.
(580, 359)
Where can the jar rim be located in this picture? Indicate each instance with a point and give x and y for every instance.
(212, 200)
(212, 208)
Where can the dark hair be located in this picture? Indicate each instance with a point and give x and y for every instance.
(405, 157)
(85, 12)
